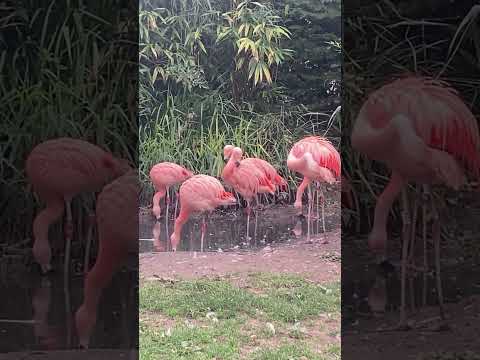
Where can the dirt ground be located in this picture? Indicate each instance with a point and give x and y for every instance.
(317, 261)
(367, 342)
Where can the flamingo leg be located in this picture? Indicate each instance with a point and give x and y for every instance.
(167, 199)
(323, 209)
(426, 193)
(405, 236)
(68, 238)
(411, 255)
(255, 230)
(91, 224)
(436, 240)
(176, 204)
(66, 268)
(317, 193)
(249, 210)
(310, 205)
(377, 240)
(204, 230)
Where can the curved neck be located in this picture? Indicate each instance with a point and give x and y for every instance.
(370, 138)
(229, 167)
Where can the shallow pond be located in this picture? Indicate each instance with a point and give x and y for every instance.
(227, 228)
(37, 313)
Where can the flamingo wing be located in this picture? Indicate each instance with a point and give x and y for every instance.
(441, 118)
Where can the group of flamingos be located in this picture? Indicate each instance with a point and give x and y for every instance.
(419, 127)
(314, 157)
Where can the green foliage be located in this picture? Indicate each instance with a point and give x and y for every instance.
(210, 75)
(255, 32)
(63, 74)
(313, 77)
(397, 40)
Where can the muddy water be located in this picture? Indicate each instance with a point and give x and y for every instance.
(227, 229)
(36, 313)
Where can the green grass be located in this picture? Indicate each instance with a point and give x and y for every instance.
(242, 318)
(221, 341)
(284, 298)
(286, 352)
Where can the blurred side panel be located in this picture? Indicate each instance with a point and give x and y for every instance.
(410, 155)
(69, 179)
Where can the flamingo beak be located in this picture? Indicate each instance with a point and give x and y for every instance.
(226, 158)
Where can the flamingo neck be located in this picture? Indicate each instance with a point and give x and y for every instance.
(295, 163)
(229, 169)
(372, 135)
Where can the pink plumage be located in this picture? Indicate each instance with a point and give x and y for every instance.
(422, 130)
(200, 193)
(245, 177)
(163, 176)
(117, 221)
(268, 170)
(58, 170)
(429, 115)
(317, 160)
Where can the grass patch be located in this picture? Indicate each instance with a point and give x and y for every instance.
(287, 352)
(183, 342)
(195, 299)
(284, 298)
(290, 298)
(239, 328)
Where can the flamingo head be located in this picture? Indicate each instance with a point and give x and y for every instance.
(116, 166)
(236, 154)
(186, 174)
(85, 321)
(227, 151)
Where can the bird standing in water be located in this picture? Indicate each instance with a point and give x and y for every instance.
(200, 193)
(246, 179)
(420, 129)
(317, 160)
(163, 176)
(117, 221)
(58, 170)
(269, 171)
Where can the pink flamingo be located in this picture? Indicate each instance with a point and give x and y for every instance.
(58, 170)
(163, 176)
(317, 160)
(246, 178)
(117, 221)
(200, 193)
(424, 133)
(268, 170)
